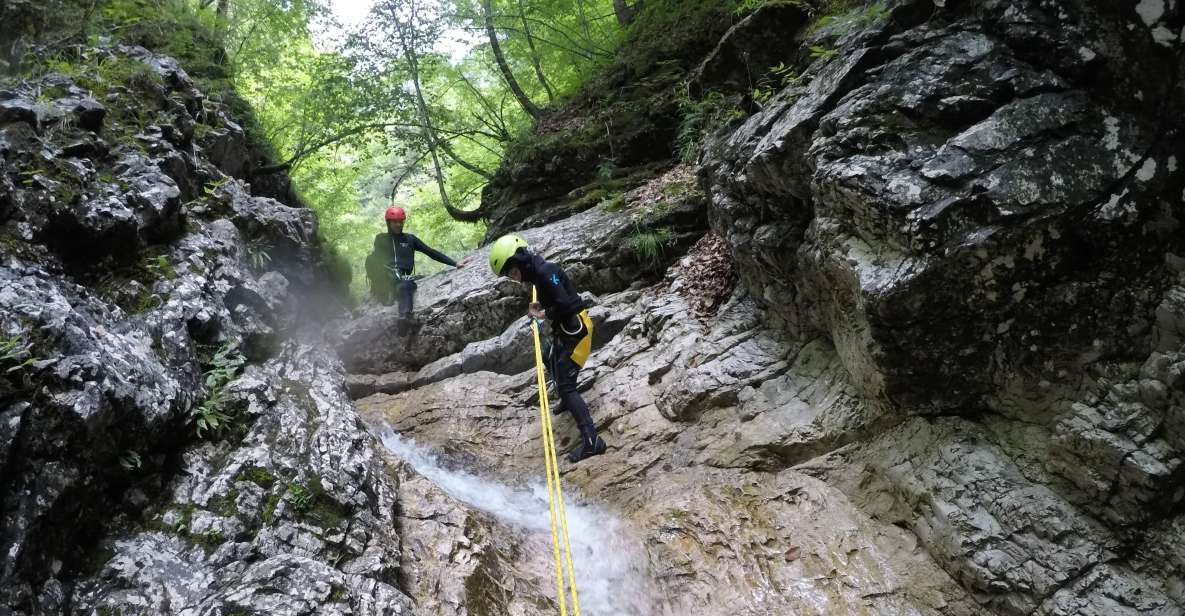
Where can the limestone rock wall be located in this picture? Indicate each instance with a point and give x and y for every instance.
(948, 381)
(171, 442)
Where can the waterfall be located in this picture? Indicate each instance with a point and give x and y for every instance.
(612, 571)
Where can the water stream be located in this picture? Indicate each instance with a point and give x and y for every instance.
(611, 566)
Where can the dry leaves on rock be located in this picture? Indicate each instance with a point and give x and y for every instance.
(708, 275)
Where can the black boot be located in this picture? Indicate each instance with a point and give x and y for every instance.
(587, 449)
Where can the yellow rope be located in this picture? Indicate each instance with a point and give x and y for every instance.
(555, 494)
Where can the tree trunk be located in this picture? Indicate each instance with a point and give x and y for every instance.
(528, 106)
(223, 6)
(522, 13)
(414, 66)
(625, 12)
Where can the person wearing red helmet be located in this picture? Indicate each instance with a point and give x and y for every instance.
(395, 252)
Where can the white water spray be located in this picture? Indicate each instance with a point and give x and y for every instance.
(611, 572)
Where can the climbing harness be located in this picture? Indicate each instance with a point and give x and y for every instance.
(555, 496)
(398, 275)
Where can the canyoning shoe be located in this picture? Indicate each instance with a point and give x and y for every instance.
(587, 450)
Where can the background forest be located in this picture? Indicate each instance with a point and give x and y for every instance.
(416, 102)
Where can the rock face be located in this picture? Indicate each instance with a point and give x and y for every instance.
(166, 446)
(912, 343)
(950, 379)
(943, 200)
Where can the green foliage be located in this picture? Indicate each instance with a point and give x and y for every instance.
(843, 16)
(301, 497)
(211, 415)
(130, 460)
(209, 540)
(259, 476)
(309, 500)
(748, 6)
(699, 118)
(837, 16)
(269, 506)
(343, 113)
(160, 268)
(172, 27)
(665, 28)
(649, 245)
(181, 527)
(773, 81)
(819, 51)
(15, 353)
(260, 257)
(605, 169)
(101, 72)
(135, 299)
(226, 505)
(613, 202)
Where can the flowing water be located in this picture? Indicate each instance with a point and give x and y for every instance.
(611, 566)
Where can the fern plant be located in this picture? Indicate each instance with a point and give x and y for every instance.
(699, 118)
(772, 82)
(843, 18)
(211, 414)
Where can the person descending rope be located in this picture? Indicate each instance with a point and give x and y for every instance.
(391, 265)
(571, 329)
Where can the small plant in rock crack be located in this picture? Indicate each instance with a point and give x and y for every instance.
(160, 267)
(841, 17)
(130, 460)
(699, 118)
(259, 255)
(748, 6)
(772, 82)
(649, 244)
(210, 188)
(605, 169)
(211, 415)
(302, 497)
(29, 176)
(15, 353)
(819, 51)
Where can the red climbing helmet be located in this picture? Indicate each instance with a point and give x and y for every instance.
(396, 213)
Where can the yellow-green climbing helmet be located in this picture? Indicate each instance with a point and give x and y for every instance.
(502, 250)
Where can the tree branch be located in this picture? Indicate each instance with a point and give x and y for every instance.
(523, 100)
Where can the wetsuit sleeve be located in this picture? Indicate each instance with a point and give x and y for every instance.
(559, 299)
(436, 255)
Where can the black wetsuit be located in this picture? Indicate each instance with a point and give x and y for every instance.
(569, 328)
(398, 252)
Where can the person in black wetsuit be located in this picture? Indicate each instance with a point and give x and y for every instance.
(571, 330)
(391, 265)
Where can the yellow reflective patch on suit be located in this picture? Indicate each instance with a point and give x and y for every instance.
(584, 347)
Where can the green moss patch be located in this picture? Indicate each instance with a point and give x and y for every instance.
(259, 476)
